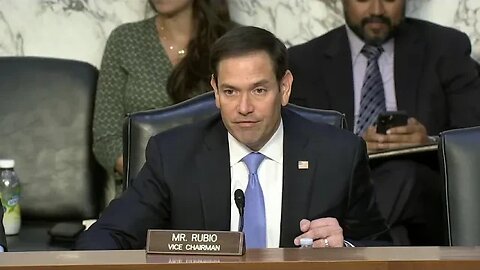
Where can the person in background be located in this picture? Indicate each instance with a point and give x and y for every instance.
(152, 64)
(381, 61)
(301, 179)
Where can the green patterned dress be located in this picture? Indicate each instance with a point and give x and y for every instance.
(133, 77)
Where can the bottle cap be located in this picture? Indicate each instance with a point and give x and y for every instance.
(306, 241)
(7, 163)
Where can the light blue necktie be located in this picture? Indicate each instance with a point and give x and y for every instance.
(255, 227)
(372, 102)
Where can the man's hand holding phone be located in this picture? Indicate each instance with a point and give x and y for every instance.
(411, 133)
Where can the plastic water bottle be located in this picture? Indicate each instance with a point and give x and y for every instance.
(10, 197)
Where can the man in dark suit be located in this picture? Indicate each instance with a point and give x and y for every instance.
(312, 181)
(3, 241)
(426, 70)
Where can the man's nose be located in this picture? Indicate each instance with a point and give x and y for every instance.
(377, 7)
(245, 105)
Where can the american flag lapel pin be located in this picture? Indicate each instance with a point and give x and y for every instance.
(303, 164)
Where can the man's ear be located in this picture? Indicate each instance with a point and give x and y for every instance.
(286, 87)
(213, 83)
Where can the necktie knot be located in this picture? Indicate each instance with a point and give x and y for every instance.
(372, 52)
(253, 160)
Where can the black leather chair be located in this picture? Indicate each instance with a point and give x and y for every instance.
(140, 126)
(46, 108)
(460, 160)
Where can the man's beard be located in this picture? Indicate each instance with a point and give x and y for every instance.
(376, 40)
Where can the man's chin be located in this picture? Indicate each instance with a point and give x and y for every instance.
(375, 40)
(246, 137)
(376, 37)
(251, 142)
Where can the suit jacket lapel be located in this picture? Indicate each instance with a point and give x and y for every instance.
(409, 58)
(214, 178)
(296, 183)
(339, 76)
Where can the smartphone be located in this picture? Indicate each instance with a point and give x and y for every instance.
(388, 120)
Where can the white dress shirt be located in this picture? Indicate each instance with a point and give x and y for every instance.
(359, 65)
(270, 175)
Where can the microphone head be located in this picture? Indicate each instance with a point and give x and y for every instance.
(239, 198)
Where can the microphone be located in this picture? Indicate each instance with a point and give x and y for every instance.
(240, 202)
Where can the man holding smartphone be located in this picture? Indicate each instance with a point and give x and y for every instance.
(381, 61)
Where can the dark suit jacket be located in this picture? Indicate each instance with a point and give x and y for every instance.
(185, 184)
(3, 240)
(436, 80)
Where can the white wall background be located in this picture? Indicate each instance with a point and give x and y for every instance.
(78, 29)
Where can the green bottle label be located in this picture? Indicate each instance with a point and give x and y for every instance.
(11, 206)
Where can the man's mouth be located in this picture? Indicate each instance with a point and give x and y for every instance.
(246, 123)
(377, 21)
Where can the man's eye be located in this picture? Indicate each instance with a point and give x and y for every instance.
(228, 92)
(259, 91)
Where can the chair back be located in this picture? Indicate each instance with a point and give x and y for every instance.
(46, 110)
(460, 161)
(140, 126)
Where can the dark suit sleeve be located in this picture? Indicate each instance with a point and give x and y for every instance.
(363, 224)
(3, 240)
(460, 80)
(145, 205)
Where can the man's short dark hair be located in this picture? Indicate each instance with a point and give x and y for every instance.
(248, 39)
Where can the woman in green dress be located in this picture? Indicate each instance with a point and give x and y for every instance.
(152, 64)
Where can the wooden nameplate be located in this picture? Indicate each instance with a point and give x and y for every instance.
(195, 242)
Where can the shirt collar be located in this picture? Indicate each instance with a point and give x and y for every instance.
(273, 149)
(356, 45)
